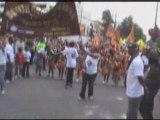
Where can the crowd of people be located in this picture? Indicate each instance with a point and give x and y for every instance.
(79, 59)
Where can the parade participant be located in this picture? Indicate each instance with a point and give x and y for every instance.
(134, 82)
(51, 61)
(153, 78)
(90, 73)
(27, 56)
(39, 61)
(79, 65)
(19, 63)
(61, 66)
(10, 60)
(41, 45)
(71, 55)
(2, 65)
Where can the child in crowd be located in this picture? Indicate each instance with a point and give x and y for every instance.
(19, 63)
(27, 56)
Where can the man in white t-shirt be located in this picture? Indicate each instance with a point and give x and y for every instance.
(90, 73)
(10, 60)
(134, 84)
(19, 44)
(71, 56)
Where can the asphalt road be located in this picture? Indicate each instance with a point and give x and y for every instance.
(46, 98)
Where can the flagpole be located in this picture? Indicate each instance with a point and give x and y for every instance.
(156, 15)
(115, 22)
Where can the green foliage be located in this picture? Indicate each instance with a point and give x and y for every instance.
(126, 26)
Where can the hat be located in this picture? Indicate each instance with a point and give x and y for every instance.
(133, 46)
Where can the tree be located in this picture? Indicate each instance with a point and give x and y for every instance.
(125, 29)
(125, 26)
(138, 32)
(106, 19)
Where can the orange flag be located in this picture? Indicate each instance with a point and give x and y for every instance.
(96, 40)
(131, 37)
(82, 29)
(112, 34)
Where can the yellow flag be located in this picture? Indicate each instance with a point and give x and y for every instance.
(140, 44)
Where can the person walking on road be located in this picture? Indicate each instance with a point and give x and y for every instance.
(134, 82)
(90, 73)
(2, 66)
(71, 55)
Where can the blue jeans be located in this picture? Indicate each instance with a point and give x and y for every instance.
(2, 74)
(133, 107)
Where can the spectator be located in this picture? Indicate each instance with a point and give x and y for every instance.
(134, 82)
(2, 66)
(19, 63)
(10, 60)
(27, 56)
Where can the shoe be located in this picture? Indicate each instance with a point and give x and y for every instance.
(104, 82)
(13, 79)
(7, 81)
(70, 86)
(80, 98)
(20, 77)
(66, 86)
(91, 97)
(77, 80)
(3, 92)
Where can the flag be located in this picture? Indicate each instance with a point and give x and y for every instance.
(82, 29)
(96, 40)
(140, 44)
(113, 35)
(131, 37)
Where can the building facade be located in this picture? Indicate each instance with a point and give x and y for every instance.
(1, 11)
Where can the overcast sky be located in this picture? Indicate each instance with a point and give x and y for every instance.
(143, 13)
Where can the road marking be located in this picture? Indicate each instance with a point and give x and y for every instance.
(88, 113)
(120, 98)
(106, 115)
(123, 116)
(91, 106)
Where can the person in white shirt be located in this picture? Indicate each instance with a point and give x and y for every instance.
(71, 56)
(19, 44)
(90, 73)
(145, 60)
(10, 60)
(27, 56)
(135, 83)
(2, 66)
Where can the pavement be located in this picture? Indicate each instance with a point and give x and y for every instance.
(46, 98)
